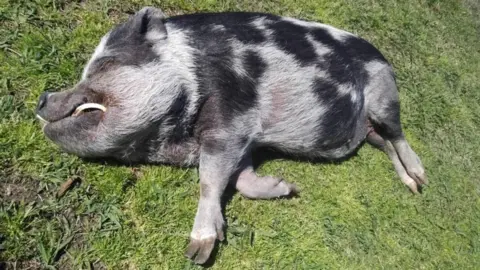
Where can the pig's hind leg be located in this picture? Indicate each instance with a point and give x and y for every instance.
(252, 186)
(383, 107)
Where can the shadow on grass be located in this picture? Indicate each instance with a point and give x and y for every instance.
(259, 156)
(263, 155)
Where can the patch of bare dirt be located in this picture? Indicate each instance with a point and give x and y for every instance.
(24, 265)
(15, 187)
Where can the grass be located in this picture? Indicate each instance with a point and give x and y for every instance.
(353, 215)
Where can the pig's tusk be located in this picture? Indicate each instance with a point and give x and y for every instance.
(86, 106)
(42, 120)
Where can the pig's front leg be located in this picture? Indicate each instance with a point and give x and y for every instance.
(219, 159)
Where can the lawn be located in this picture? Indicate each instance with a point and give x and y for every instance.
(350, 215)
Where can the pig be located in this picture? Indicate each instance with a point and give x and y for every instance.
(207, 89)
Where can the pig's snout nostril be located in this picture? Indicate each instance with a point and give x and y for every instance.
(42, 101)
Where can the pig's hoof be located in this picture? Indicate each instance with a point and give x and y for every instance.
(414, 187)
(293, 190)
(419, 176)
(199, 250)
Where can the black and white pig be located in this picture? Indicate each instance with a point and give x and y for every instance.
(207, 89)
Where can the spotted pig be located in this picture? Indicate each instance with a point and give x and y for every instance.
(207, 89)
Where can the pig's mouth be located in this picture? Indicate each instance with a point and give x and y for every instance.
(81, 109)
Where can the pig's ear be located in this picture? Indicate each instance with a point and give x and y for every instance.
(150, 21)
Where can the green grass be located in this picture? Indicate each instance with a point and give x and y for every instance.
(353, 215)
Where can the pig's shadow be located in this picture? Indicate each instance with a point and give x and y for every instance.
(263, 155)
(259, 157)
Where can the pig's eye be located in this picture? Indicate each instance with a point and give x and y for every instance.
(104, 63)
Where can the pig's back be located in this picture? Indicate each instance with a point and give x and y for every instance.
(303, 80)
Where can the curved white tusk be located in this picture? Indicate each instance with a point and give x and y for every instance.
(42, 120)
(86, 106)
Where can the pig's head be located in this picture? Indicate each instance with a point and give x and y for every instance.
(126, 91)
